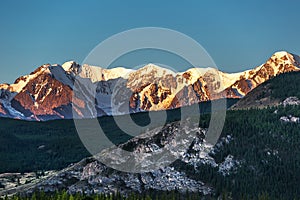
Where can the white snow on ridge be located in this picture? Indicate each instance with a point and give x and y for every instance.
(116, 73)
(17, 87)
(281, 54)
(229, 79)
(152, 68)
(99, 74)
(67, 65)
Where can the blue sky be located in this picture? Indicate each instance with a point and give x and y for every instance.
(238, 35)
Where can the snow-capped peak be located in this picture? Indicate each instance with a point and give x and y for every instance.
(280, 53)
(67, 65)
(198, 71)
(283, 55)
(160, 71)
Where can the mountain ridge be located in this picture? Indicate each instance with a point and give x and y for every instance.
(48, 92)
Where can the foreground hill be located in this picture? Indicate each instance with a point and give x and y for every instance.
(49, 92)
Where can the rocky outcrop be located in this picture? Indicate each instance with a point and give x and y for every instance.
(291, 101)
(290, 118)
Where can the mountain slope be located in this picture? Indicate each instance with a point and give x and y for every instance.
(49, 92)
(279, 90)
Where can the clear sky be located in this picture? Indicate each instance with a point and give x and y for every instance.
(238, 35)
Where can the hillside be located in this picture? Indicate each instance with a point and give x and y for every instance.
(252, 159)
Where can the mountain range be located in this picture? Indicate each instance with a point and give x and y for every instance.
(254, 143)
(51, 92)
(252, 158)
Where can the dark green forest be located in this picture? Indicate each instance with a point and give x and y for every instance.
(63, 195)
(285, 85)
(268, 150)
(255, 132)
(173, 195)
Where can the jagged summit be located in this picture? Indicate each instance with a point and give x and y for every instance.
(281, 55)
(69, 65)
(47, 92)
(155, 69)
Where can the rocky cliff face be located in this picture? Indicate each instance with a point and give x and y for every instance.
(49, 92)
